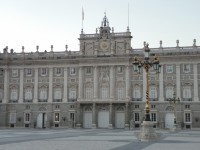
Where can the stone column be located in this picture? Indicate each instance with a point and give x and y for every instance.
(112, 82)
(35, 98)
(110, 116)
(21, 88)
(80, 87)
(78, 125)
(65, 86)
(6, 85)
(126, 117)
(144, 85)
(178, 82)
(94, 116)
(196, 96)
(127, 82)
(95, 83)
(50, 85)
(161, 96)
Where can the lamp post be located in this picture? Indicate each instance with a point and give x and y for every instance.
(147, 63)
(173, 101)
(147, 132)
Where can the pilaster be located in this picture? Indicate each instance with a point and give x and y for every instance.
(21, 88)
(111, 82)
(95, 82)
(126, 117)
(110, 116)
(196, 95)
(161, 96)
(65, 86)
(178, 82)
(80, 87)
(127, 82)
(94, 116)
(6, 83)
(50, 85)
(35, 98)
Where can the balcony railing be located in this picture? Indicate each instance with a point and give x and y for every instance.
(28, 100)
(153, 99)
(57, 100)
(13, 101)
(42, 100)
(136, 99)
(72, 99)
(187, 99)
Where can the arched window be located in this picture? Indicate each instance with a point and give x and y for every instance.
(187, 92)
(57, 93)
(88, 92)
(28, 94)
(136, 92)
(120, 92)
(43, 93)
(72, 93)
(152, 92)
(13, 94)
(169, 92)
(1, 94)
(104, 92)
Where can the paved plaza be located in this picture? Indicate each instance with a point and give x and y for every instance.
(94, 139)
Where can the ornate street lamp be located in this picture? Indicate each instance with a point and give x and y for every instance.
(146, 64)
(173, 101)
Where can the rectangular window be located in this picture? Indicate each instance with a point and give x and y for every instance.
(28, 71)
(153, 106)
(43, 71)
(14, 73)
(13, 94)
(153, 117)
(137, 117)
(120, 92)
(72, 94)
(27, 117)
(58, 71)
(72, 116)
(72, 71)
(57, 117)
(12, 118)
(186, 68)
(88, 70)
(137, 106)
(169, 68)
(187, 106)
(104, 93)
(119, 69)
(187, 117)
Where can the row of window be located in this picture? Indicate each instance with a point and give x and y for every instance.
(153, 115)
(137, 94)
(169, 92)
(186, 68)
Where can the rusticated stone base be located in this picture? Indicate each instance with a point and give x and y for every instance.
(147, 133)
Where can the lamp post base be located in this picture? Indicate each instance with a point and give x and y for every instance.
(147, 133)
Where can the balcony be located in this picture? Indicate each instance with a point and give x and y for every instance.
(72, 99)
(13, 101)
(136, 99)
(28, 100)
(187, 99)
(153, 99)
(57, 100)
(42, 100)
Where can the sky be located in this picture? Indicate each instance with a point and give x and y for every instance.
(58, 22)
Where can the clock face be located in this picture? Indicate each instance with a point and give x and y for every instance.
(104, 45)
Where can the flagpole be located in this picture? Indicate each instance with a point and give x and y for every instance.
(82, 20)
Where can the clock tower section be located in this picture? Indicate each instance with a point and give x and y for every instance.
(105, 42)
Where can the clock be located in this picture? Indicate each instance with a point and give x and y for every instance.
(104, 45)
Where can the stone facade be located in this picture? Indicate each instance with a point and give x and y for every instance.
(96, 87)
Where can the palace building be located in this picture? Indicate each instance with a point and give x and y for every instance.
(96, 86)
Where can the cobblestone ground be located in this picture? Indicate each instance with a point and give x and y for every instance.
(95, 139)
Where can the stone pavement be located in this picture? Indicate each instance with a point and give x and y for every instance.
(94, 139)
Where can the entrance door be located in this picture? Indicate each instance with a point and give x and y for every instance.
(169, 120)
(103, 119)
(119, 120)
(41, 120)
(87, 120)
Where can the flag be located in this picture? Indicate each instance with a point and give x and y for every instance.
(82, 14)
